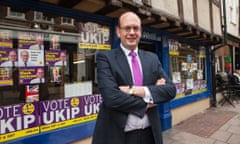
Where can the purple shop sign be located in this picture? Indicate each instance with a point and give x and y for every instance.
(16, 119)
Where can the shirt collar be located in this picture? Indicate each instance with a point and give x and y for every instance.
(127, 51)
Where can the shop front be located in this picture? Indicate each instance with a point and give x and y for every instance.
(48, 86)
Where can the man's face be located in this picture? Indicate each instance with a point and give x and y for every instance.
(12, 56)
(62, 56)
(40, 73)
(39, 40)
(129, 30)
(24, 56)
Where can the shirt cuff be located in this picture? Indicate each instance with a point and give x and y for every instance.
(148, 97)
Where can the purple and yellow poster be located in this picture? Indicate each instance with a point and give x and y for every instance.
(60, 113)
(55, 58)
(8, 57)
(18, 121)
(6, 39)
(6, 76)
(31, 75)
(94, 36)
(30, 58)
(30, 40)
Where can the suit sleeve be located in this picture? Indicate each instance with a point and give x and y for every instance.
(108, 83)
(162, 93)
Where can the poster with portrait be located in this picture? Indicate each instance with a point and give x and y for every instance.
(6, 78)
(56, 74)
(31, 75)
(55, 58)
(30, 58)
(30, 40)
(8, 57)
(54, 42)
(6, 39)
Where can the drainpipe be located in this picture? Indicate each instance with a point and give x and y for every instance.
(213, 99)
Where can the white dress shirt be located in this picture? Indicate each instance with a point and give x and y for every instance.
(134, 122)
(9, 64)
(60, 63)
(37, 80)
(36, 47)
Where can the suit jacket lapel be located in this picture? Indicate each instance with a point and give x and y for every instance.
(124, 66)
(144, 64)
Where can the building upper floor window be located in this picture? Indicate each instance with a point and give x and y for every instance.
(11, 13)
(67, 21)
(233, 12)
(39, 16)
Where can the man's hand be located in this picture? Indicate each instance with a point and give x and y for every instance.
(161, 81)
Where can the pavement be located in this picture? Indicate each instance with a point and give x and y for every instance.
(216, 125)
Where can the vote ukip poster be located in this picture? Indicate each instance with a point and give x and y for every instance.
(60, 113)
(18, 121)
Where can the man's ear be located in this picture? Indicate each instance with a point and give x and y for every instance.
(117, 32)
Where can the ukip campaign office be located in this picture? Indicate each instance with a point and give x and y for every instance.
(53, 97)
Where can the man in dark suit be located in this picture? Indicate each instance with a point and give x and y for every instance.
(130, 91)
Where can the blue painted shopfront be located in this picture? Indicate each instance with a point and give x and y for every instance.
(156, 38)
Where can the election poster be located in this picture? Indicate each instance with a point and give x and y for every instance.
(55, 58)
(18, 121)
(6, 78)
(31, 75)
(8, 57)
(6, 39)
(30, 58)
(54, 42)
(30, 40)
(61, 113)
(94, 36)
(56, 74)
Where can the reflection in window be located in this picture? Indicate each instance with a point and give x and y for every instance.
(15, 14)
(39, 16)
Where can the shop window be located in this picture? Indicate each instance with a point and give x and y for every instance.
(67, 21)
(60, 61)
(188, 68)
(11, 13)
(39, 16)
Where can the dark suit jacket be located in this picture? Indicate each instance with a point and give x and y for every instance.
(114, 71)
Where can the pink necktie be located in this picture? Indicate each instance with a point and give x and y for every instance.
(137, 74)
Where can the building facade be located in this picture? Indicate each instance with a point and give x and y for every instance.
(53, 98)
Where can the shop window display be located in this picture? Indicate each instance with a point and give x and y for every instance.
(64, 58)
(188, 68)
(49, 76)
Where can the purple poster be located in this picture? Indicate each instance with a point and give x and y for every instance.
(66, 112)
(6, 78)
(55, 58)
(6, 39)
(18, 120)
(8, 57)
(31, 75)
(30, 40)
(94, 36)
